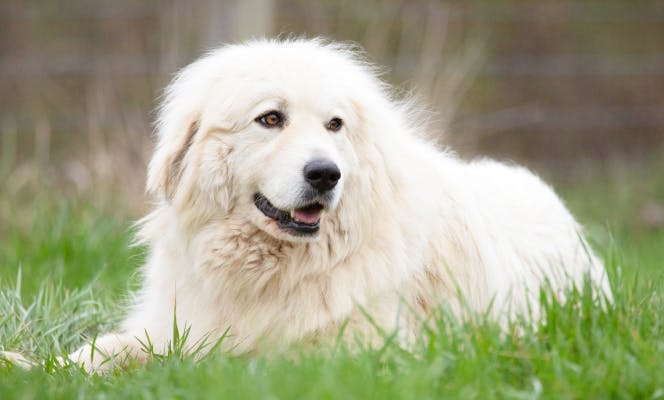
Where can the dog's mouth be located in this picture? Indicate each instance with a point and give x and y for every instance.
(299, 221)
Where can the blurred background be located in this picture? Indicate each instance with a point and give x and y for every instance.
(573, 89)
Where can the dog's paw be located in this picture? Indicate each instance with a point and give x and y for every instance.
(17, 359)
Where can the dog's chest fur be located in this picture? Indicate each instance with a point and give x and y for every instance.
(265, 289)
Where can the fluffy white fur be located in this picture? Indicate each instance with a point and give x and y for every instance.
(407, 223)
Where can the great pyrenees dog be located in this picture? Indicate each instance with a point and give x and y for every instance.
(297, 200)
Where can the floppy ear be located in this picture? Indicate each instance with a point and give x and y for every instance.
(179, 121)
(177, 124)
(166, 166)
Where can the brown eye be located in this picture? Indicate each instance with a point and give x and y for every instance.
(334, 125)
(271, 119)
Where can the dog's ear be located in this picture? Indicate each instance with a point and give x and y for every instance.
(167, 165)
(178, 122)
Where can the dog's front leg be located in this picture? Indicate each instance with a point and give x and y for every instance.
(107, 352)
(102, 355)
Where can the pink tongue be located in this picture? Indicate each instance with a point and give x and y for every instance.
(306, 216)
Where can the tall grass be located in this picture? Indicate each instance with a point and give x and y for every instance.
(580, 350)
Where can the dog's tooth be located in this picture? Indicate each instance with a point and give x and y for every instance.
(292, 213)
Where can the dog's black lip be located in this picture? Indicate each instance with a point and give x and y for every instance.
(283, 218)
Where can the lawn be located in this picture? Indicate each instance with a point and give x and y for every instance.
(66, 268)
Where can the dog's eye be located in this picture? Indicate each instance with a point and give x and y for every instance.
(334, 124)
(271, 119)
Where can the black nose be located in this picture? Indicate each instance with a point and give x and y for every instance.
(322, 175)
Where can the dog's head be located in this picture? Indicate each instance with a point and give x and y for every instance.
(266, 132)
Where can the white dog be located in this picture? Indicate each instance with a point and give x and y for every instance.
(295, 196)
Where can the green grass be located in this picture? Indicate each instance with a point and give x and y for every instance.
(76, 269)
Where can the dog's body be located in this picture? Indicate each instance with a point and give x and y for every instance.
(387, 226)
